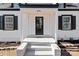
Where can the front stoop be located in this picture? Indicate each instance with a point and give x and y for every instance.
(40, 47)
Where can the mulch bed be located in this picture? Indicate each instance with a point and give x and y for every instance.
(69, 49)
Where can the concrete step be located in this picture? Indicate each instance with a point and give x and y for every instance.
(38, 53)
(39, 40)
(39, 48)
(39, 44)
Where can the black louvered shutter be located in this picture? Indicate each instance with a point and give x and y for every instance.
(15, 22)
(73, 22)
(1, 25)
(59, 22)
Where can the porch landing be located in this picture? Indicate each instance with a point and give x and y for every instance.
(40, 40)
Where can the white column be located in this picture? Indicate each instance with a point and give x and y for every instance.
(56, 24)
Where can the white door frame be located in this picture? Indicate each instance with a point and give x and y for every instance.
(46, 22)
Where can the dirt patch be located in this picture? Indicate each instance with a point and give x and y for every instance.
(8, 48)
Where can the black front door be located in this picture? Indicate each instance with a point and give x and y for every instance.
(39, 25)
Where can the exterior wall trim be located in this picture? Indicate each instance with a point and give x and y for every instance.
(9, 9)
(38, 6)
(68, 9)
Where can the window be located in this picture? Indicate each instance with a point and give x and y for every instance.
(8, 22)
(66, 22)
